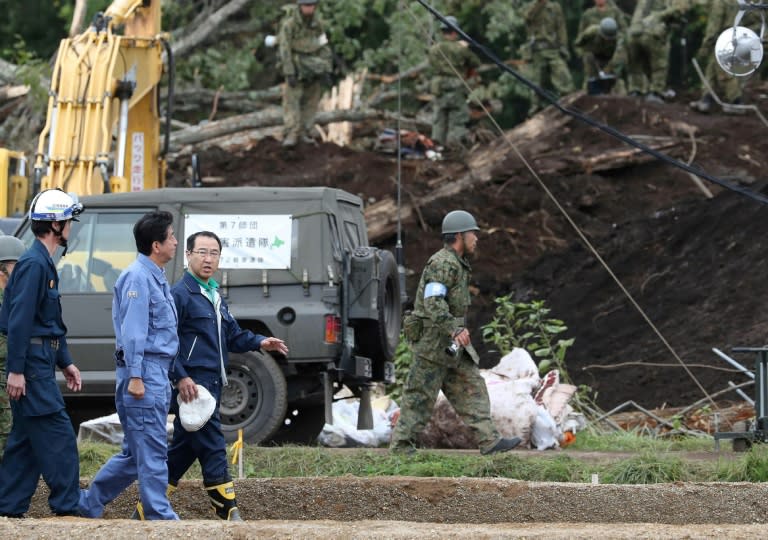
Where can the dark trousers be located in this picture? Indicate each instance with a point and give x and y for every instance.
(40, 445)
(206, 445)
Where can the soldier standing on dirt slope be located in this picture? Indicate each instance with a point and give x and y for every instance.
(443, 357)
(11, 248)
(601, 42)
(546, 49)
(450, 112)
(648, 47)
(307, 63)
(720, 15)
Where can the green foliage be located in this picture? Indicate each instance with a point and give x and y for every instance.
(648, 468)
(526, 325)
(31, 72)
(655, 462)
(227, 66)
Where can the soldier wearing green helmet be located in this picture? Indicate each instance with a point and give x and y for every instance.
(443, 357)
(307, 63)
(601, 45)
(450, 113)
(11, 248)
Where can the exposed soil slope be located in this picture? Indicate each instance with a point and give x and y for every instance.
(692, 263)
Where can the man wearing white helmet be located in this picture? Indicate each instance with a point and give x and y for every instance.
(11, 248)
(42, 440)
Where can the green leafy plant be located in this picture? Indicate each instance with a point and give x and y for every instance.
(527, 325)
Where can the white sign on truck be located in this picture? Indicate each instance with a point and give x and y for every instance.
(248, 241)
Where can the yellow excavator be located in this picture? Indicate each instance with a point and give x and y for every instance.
(102, 129)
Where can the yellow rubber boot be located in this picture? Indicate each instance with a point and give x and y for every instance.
(223, 501)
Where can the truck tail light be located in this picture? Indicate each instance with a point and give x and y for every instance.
(332, 329)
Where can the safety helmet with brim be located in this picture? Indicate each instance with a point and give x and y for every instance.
(55, 205)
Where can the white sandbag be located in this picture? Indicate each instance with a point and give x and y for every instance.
(344, 433)
(108, 429)
(545, 433)
(513, 409)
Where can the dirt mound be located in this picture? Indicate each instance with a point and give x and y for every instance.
(692, 263)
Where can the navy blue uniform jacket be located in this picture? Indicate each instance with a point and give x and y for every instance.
(198, 339)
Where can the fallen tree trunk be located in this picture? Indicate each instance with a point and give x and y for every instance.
(184, 43)
(196, 99)
(268, 118)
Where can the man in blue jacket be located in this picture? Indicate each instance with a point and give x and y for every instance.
(42, 440)
(144, 319)
(207, 331)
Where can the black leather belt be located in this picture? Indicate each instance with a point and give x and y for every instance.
(53, 343)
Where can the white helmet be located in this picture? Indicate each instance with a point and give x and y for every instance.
(54, 205)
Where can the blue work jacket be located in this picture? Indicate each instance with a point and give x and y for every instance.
(199, 338)
(144, 315)
(32, 309)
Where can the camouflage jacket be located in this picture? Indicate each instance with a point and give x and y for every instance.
(594, 16)
(545, 24)
(445, 56)
(591, 42)
(445, 282)
(652, 16)
(303, 46)
(3, 348)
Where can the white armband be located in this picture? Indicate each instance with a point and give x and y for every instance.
(435, 289)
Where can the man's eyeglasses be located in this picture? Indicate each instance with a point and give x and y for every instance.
(205, 253)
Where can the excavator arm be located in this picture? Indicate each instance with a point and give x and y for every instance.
(102, 130)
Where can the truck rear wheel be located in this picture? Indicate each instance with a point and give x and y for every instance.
(255, 399)
(378, 339)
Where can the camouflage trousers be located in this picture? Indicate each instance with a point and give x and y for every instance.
(300, 107)
(5, 411)
(450, 116)
(727, 87)
(548, 69)
(460, 381)
(647, 63)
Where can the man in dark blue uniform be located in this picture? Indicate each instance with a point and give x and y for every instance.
(42, 440)
(207, 331)
(144, 318)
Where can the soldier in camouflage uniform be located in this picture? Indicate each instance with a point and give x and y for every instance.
(11, 248)
(450, 112)
(438, 322)
(601, 42)
(307, 63)
(648, 46)
(720, 16)
(546, 49)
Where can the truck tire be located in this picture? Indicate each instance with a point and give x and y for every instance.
(255, 399)
(302, 425)
(378, 339)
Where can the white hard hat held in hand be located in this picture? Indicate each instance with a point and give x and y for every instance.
(196, 413)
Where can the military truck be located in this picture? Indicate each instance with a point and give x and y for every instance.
(295, 264)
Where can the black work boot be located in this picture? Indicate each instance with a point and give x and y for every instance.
(223, 500)
(504, 445)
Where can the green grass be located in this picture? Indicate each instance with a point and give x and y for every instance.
(654, 461)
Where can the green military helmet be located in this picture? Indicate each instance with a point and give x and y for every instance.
(459, 221)
(445, 27)
(306, 2)
(608, 28)
(11, 248)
